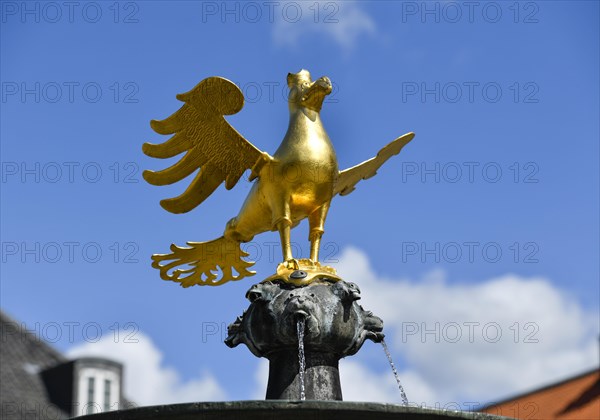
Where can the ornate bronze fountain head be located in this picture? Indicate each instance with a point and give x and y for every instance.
(335, 326)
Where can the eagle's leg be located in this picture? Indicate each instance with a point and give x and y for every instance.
(284, 228)
(316, 224)
(282, 222)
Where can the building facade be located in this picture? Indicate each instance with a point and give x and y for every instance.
(37, 382)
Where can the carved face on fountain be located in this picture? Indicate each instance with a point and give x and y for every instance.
(334, 322)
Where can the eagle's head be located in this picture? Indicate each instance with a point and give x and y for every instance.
(304, 93)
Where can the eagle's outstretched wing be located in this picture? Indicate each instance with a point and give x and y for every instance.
(209, 142)
(348, 178)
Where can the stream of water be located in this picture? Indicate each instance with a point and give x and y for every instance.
(301, 358)
(389, 357)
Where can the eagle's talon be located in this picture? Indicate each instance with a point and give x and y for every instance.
(314, 263)
(292, 264)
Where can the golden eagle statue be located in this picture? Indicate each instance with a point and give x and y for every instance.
(297, 182)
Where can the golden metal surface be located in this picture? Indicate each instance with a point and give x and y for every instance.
(298, 182)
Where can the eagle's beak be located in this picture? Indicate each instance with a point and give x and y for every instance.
(323, 83)
(314, 95)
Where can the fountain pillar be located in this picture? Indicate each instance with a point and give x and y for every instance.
(321, 376)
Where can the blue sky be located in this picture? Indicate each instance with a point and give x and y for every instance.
(497, 193)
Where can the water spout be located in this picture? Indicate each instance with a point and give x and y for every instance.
(389, 357)
(302, 361)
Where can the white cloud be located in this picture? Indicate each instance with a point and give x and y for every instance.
(147, 381)
(545, 336)
(343, 22)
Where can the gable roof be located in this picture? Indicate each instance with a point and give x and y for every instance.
(22, 356)
(577, 398)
